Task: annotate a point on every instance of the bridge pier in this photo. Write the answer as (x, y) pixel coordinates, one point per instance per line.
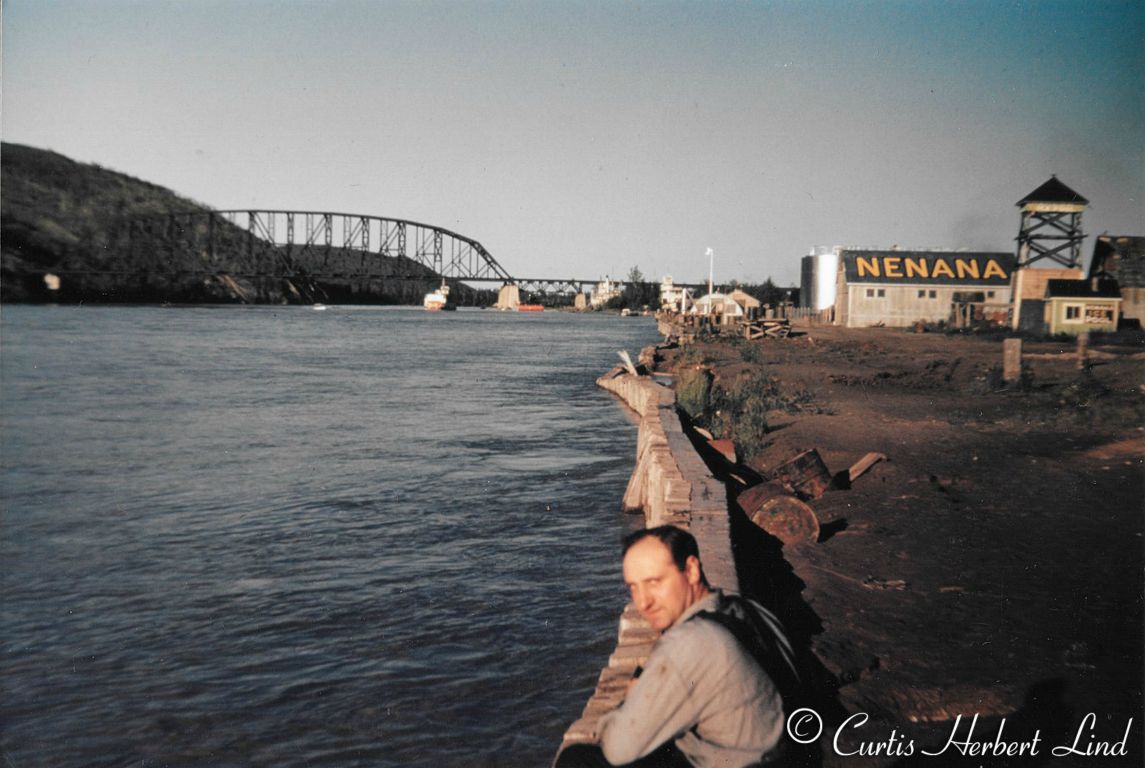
(509, 297)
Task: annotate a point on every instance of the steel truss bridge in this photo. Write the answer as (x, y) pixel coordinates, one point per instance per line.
(315, 245)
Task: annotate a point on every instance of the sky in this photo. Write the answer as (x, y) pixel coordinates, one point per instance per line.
(581, 139)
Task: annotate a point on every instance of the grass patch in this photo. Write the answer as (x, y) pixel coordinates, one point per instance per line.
(992, 381)
(751, 353)
(736, 411)
(741, 412)
(694, 394)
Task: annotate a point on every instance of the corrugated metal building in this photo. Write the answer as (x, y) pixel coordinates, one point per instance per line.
(900, 288)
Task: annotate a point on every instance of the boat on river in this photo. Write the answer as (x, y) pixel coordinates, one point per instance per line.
(530, 308)
(438, 299)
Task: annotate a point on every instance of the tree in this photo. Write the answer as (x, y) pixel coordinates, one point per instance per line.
(637, 294)
(768, 292)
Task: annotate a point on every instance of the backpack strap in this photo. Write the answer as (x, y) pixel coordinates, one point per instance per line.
(760, 633)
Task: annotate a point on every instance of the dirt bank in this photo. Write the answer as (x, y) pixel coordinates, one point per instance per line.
(994, 564)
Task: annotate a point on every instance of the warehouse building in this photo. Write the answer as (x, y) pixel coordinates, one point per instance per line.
(900, 288)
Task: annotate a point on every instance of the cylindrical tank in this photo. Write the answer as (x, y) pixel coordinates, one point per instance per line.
(818, 278)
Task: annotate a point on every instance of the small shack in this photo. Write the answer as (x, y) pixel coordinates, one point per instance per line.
(1030, 286)
(1081, 306)
(749, 303)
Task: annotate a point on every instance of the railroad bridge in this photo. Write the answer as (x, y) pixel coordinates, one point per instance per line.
(312, 246)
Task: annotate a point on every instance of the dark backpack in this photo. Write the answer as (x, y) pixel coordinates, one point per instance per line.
(759, 632)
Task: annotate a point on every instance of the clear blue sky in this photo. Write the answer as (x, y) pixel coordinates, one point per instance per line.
(580, 139)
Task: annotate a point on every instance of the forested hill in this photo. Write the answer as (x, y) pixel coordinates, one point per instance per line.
(67, 220)
(57, 215)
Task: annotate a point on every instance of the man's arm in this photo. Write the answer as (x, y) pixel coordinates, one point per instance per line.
(656, 710)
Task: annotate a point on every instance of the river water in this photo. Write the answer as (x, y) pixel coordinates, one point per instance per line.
(280, 537)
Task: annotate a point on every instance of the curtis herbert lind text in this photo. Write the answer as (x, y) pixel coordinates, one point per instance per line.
(806, 726)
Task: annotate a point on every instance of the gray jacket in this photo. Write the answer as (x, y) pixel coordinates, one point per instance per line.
(701, 688)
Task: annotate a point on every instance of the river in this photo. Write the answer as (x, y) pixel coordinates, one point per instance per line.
(271, 536)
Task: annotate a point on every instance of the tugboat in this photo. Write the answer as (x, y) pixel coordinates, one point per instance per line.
(438, 300)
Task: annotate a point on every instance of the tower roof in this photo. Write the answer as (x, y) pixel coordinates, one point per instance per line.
(1053, 191)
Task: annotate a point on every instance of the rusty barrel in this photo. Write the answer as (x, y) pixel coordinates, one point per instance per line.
(806, 474)
(772, 507)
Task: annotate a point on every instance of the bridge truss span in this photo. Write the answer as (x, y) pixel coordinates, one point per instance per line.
(442, 251)
(316, 252)
(266, 243)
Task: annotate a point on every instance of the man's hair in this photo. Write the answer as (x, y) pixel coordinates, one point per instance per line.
(679, 542)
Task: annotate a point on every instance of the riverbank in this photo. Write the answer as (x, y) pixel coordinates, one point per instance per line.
(671, 485)
(992, 564)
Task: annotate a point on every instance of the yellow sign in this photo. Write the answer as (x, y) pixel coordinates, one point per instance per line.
(896, 267)
(926, 267)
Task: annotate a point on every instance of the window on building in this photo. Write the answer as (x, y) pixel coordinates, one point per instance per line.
(882, 293)
(989, 294)
(934, 294)
(870, 293)
(922, 294)
(1098, 313)
(1072, 311)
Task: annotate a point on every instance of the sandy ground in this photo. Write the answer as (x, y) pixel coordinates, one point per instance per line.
(992, 566)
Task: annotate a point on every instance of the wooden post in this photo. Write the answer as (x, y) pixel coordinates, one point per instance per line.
(627, 362)
(862, 465)
(1082, 351)
(1011, 359)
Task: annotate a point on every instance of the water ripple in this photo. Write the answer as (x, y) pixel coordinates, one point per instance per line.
(268, 536)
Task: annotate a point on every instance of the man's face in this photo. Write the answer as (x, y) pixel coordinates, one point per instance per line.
(660, 590)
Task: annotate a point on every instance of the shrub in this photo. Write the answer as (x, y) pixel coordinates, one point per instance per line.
(737, 411)
(693, 393)
(740, 411)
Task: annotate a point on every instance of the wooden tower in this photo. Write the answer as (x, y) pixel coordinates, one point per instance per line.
(1050, 231)
(1051, 225)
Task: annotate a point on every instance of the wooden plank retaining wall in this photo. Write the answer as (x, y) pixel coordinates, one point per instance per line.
(671, 485)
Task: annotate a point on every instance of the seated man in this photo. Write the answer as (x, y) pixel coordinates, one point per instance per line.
(703, 697)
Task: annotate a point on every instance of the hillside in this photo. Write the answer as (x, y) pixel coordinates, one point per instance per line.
(59, 216)
(71, 220)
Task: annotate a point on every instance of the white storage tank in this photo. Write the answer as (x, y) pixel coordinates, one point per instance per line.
(817, 284)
